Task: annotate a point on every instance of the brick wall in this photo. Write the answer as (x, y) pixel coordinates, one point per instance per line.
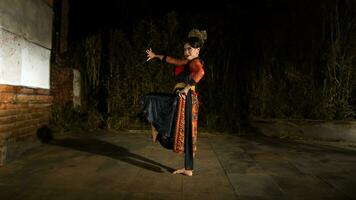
(61, 86)
(23, 111)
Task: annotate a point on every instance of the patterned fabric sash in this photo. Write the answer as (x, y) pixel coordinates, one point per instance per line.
(180, 124)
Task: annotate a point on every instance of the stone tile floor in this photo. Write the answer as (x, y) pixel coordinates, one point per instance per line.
(128, 165)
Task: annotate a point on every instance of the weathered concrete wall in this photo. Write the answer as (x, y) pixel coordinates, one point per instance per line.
(30, 19)
(22, 62)
(25, 42)
(76, 88)
(326, 130)
(25, 48)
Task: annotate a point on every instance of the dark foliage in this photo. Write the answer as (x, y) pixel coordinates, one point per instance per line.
(263, 59)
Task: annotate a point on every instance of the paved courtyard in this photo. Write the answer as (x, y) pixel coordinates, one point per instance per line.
(128, 165)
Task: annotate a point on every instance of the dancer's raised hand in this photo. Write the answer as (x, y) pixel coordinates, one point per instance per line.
(150, 54)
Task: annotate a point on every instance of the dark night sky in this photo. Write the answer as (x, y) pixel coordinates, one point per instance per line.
(87, 16)
(246, 16)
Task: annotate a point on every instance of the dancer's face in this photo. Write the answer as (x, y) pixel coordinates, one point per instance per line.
(190, 52)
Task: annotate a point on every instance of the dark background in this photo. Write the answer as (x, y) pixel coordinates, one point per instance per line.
(263, 58)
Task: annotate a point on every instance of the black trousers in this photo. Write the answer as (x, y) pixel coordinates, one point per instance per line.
(188, 133)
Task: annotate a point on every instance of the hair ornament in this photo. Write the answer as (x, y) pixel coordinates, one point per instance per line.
(201, 35)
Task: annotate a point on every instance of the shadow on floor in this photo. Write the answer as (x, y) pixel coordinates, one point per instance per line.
(100, 147)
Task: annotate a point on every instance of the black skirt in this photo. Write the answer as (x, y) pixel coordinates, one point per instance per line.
(160, 110)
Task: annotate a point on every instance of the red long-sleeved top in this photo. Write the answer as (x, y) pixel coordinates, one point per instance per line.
(196, 68)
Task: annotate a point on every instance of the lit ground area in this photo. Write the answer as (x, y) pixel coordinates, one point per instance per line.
(129, 166)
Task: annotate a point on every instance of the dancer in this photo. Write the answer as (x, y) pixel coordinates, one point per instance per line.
(174, 116)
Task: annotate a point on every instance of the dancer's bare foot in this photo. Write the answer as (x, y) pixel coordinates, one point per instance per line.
(184, 172)
(154, 135)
